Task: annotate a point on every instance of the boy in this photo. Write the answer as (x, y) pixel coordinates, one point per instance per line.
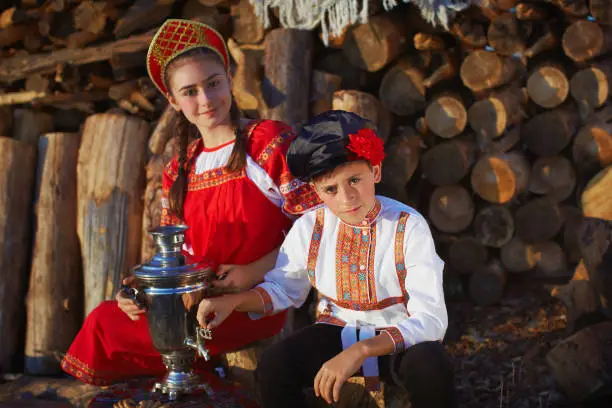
(372, 260)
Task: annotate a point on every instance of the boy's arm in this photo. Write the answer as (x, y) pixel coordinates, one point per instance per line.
(426, 307)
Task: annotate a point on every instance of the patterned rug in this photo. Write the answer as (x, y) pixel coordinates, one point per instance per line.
(214, 393)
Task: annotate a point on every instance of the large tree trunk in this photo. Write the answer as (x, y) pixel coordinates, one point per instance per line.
(287, 66)
(111, 180)
(17, 175)
(55, 298)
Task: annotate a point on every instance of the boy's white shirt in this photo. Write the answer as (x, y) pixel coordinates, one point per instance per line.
(422, 318)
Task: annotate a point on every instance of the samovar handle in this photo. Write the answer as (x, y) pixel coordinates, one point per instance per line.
(134, 294)
(202, 334)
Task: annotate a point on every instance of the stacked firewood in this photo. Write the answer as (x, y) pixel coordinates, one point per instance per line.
(498, 130)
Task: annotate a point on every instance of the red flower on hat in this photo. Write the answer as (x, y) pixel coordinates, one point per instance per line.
(367, 145)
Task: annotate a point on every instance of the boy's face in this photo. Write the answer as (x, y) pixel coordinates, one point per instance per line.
(349, 190)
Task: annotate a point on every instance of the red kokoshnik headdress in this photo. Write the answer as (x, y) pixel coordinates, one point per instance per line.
(175, 37)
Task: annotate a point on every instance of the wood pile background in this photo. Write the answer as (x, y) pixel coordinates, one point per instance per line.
(498, 129)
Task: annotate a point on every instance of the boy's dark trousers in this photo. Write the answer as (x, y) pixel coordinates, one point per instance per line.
(287, 367)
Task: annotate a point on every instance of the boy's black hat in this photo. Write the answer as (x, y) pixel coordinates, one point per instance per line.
(321, 144)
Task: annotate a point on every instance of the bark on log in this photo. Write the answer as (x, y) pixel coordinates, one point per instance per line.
(6, 121)
(247, 28)
(447, 69)
(55, 296)
(530, 12)
(547, 40)
(21, 66)
(163, 131)
(548, 85)
(373, 45)
(401, 161)
(592, 149)
(448, 162)
(337, 63)
(402, 90)
(561, 125)
(507, 35)
(110, 176)
(286, 85)
(595, 237)
(17, 178)
(500, 177)
(487, 284)
(246, 84)
(29, 125)
(590, 87)
(494, 226)
(580, 363)
(547, 259)
(467, 254)
(601, 10)
(451, 209)
(596, 199)
(323, 87)
(538, 220)
(571, 242)
(491, 117)
(469, 33)
(143, 14)
(584, 40)
(553, 177)
(446, 115)
(482, 70)
(518, 256)
(366, 106)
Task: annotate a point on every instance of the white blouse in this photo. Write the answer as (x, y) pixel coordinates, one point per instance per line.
(383, 273)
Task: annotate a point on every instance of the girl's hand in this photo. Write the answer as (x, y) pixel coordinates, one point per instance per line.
(334, 373)
(234, 278)
(217, 307)
(126, 304)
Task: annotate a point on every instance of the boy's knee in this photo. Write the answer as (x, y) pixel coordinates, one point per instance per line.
(273, 360)
(427, 361)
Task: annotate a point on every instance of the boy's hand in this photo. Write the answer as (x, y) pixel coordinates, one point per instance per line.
(221, 307)
(334, 373)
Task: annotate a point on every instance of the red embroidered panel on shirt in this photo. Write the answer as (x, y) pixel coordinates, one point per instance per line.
(355, 274)
(329, 319)
(383, 304)
(266, 299)
(212, 178)
(396, 336)
(400, 264)
(315, 242)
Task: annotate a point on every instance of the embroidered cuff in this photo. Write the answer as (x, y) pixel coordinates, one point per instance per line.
(265, 299)
(398, 339)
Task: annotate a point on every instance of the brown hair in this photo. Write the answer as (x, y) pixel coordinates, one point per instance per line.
(185, 131)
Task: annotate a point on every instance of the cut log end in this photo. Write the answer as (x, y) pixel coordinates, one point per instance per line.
(447, 163)
(591, 86)
(538, 220)
(447, 116)
(548, 86)
(467, 255)
(402, 90)
(494, 226)
(451, 209)
(553, 177)
(592, 149)
(498, 178)
(584, 40)
(487, 285)
(595, 198)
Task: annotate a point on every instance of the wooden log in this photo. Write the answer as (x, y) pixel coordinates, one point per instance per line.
(21, 66)
(29, 125)
(547, 259)
(573, 9)
(428, 42)
(446, 115)
(15, 33)
(366, 106)
(592, 149)
(590, 87)
(504, 143)
(561, 125)
(517, 256)
(247, 27)
(500, 177)
(446, 70)
(553, 177)
(55, 296)
(470, 34)
(548, 85)
(448, 162)
(490, 117)
(215, 17)
(6, 121)
(538, 220)
(17, 178)
(371, 46)
(595, 238)
(337, 63)
(596, 199)
(579, 364)
(163, 130)
(584, 40)
(402, 90)
(401, 161)
(482, 70)
(467, 254)
(572, 221)
(246, 83)
(507, 35)
(451, 209)
(14, 15)
(601, 10)
(143, 14)
(494, 226)
(323, 87)
(547, 40)
(287, 65)
(90, 17)
(526, 11)
(487, 284)
(110, 189)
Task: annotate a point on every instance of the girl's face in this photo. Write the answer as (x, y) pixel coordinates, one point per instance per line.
(201, 89)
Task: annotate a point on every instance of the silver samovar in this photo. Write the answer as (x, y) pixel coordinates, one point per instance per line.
(171, 290)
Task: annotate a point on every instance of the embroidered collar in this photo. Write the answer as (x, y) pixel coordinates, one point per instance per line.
(370, 217)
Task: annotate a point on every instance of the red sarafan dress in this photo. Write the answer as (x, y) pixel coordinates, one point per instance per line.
(233, 218)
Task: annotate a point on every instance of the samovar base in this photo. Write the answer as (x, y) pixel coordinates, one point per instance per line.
(178, 383)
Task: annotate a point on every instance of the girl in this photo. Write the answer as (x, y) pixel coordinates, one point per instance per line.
(231, 186)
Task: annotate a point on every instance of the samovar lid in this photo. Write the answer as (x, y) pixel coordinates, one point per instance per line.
(169, 267)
